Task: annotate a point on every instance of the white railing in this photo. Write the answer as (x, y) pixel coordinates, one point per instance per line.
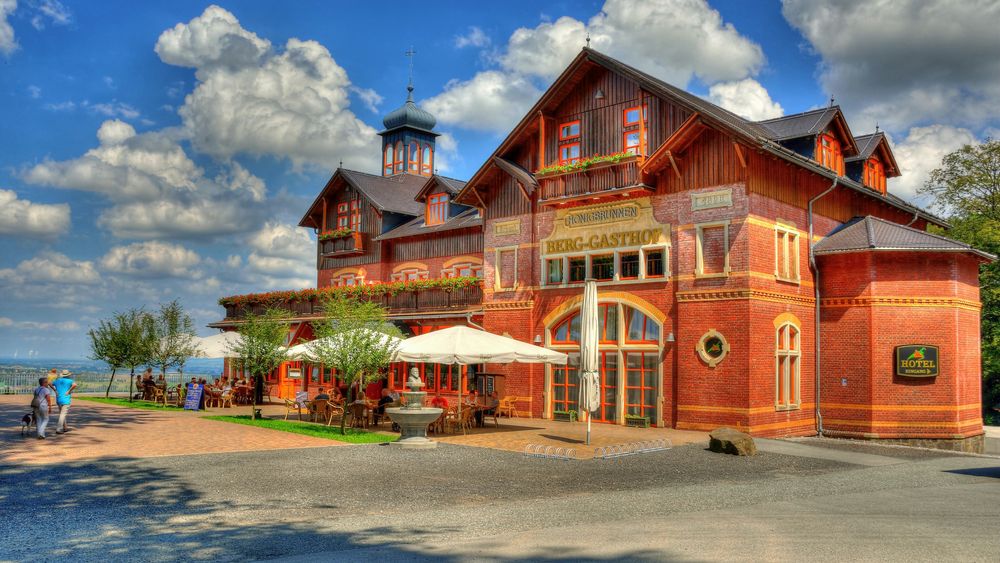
(24, 381)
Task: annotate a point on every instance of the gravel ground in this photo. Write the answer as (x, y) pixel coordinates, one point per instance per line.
(261, 505)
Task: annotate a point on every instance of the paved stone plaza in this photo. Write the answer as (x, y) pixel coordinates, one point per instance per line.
(251, 493)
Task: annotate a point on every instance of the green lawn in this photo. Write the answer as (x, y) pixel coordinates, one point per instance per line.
(137, 404)
(353, 436)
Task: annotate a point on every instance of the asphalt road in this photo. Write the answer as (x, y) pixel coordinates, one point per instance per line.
(460, 503)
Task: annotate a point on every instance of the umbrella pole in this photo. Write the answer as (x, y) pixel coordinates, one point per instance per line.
(588, 428)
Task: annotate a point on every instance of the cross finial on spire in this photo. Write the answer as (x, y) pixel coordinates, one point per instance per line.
(409, 87)
(831, 101)
(876, 126)
(588, 39)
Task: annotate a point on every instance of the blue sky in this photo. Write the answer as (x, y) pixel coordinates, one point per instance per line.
(153, 151)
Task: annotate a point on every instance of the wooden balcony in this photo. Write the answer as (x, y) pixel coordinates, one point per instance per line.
(403, 303)
(351, 243)
(595, 181)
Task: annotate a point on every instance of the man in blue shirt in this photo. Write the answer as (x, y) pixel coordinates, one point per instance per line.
(64, 387)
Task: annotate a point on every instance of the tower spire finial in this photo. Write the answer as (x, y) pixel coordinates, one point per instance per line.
(409, 86)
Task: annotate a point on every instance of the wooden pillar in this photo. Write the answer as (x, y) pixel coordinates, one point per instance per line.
(322, 227)
(541, 141)
(642, 126)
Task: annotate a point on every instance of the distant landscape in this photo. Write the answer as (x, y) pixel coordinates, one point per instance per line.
(18, 376)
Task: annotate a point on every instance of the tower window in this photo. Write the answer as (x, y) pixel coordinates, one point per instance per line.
(387, 162)
(414, 158)
(428, 161)
(397, 163)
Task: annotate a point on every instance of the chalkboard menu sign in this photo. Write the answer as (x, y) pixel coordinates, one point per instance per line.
(193, 398)
(917, 360)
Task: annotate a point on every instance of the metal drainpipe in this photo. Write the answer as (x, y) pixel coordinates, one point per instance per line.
(812, 264)
(468, 319)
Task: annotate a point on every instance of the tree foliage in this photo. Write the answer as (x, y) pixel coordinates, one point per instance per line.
(108, 346)
(354, 338)
(174, 340)
(967, 186)
(968, 182)
(261, 347)
(126, 340)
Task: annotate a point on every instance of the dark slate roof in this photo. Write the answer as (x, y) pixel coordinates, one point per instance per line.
(409, 115)
(872, 233)
(452, 185)
(467, 218)
(388, 193)
(800, 124)
(866, 146)
(759, 133)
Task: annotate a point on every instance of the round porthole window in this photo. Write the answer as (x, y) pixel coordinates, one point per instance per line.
(712, 348)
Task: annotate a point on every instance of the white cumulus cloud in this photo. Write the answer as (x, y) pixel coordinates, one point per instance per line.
(283, 251)
(676, 40)
(51, 267)
(8, 44)
(906, 62)
(151, 259)
(474, 38)
(920, 152)
(251, 98)
(23, 218)
(746, 98)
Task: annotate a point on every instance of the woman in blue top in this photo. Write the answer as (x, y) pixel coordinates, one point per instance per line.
(42, 402)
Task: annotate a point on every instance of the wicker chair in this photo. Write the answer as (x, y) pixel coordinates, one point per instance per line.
(359, 415)
(506, 407)
(292, 406)
(333, 409)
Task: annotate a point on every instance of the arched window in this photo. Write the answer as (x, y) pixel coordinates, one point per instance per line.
(629, 362)
(397, 163)
(387, 163)
(428, 161)
(414, 157)
(787, 356)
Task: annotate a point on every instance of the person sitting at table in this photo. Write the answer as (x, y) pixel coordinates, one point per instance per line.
(487, 408)
(383, 402)
(439, 402)
(472, 399)
(322, 395)
(394, 394)
(161, 381)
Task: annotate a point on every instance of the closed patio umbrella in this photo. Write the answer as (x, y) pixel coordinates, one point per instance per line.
(590, 383)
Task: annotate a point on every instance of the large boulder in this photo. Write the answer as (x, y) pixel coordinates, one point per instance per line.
(731, 441)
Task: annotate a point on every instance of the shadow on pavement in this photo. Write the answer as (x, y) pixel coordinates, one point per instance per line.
(113, 511)
(978, 472)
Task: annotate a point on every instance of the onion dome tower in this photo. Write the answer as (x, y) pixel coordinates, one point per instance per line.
(408, 137)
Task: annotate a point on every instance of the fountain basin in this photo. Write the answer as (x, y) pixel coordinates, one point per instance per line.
(413, 426)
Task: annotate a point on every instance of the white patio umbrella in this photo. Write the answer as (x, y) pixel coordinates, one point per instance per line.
(590, 383)
(305, 350)
(217, 345)
(465, 345)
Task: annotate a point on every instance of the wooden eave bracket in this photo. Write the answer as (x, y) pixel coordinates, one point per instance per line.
(667, 153)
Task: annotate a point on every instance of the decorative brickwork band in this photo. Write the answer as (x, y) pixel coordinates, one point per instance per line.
(946, 302)
(734, 294)
(508, 305)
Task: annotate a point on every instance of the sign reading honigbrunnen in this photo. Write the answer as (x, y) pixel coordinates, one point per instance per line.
(917, 360)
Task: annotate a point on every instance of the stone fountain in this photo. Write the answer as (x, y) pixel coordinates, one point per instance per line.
(414, 417)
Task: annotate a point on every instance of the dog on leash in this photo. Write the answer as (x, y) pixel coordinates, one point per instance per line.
(27, 421)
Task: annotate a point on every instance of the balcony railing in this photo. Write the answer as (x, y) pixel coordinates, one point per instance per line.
(351, 243)
(593, 180)
(427, 301)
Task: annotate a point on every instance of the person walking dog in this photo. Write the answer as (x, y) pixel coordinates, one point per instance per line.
(41, 403)
(64, 387)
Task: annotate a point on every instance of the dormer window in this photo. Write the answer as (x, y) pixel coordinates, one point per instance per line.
(828, 153)
(569, 142)
(428, 161)
(437, 209)
(387, 161)
(414, 158)
(397, 163)
(874, 175)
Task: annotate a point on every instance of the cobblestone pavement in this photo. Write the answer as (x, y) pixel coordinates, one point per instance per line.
(107, 431)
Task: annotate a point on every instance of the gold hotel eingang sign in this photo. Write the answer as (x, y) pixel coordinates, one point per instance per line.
(606, 227)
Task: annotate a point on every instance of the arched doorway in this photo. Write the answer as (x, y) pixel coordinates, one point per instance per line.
(630, 351)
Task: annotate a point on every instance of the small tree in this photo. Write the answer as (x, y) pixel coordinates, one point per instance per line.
(138, 338)
(352, 337)
(261, 348)
(174, 342)
(106, 345)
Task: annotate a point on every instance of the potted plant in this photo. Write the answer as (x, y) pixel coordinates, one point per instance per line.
(637, 421)
(564, 416)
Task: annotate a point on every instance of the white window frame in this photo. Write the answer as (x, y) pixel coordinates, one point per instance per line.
(587, 255)
(786, 253)
(788, 374)
(699, 266)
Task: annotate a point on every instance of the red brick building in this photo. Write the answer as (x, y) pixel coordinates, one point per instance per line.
(721, 246)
